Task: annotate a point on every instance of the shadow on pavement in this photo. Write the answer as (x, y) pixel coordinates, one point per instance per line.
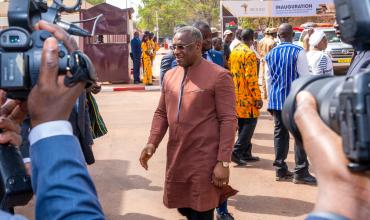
(260, 149)
(264, 164)
(263, 136)
(271, 205)
(111, 180)
(137, 216)
(266, 117)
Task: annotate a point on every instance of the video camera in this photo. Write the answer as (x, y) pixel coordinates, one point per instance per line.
(20, 60)
(343, 102)
(21, 47)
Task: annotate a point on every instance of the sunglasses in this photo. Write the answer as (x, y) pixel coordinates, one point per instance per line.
(181, 47)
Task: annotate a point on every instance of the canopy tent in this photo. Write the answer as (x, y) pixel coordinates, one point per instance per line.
(231, 10)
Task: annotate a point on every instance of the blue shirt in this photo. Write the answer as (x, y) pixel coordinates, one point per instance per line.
(285, 63)
(136, 48)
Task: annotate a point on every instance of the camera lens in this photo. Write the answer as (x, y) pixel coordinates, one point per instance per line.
(326, 91)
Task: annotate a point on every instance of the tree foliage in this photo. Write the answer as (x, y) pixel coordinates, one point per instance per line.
(175, 12)
(95, 2)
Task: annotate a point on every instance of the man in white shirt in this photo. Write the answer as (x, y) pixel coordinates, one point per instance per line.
(237, 40)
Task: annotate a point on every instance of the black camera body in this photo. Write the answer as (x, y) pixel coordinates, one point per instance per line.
(15, 184)
(353, 20)
(20, 55)
(343, 102)
(21, 48)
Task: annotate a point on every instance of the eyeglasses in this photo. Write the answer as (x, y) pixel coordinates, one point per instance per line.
(181, 47)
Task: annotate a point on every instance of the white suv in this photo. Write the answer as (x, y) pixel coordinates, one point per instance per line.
(340, 53)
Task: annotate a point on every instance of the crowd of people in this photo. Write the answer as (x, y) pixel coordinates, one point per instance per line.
(143, 52)
(207, 97)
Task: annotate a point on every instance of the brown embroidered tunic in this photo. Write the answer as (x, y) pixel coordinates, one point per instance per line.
(198, 107)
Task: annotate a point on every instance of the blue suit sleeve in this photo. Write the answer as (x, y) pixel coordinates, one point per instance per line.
(218, 58)
(7, 216)
(173, 64)
(61, 182)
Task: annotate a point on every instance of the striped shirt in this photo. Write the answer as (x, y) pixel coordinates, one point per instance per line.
(284, 64)
(319, 63)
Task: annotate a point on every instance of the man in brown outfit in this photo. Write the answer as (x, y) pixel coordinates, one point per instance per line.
(197, 104)
(265, 45)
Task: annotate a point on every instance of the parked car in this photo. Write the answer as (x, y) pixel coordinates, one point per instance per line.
(340, 53)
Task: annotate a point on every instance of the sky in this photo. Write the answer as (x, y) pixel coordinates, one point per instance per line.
(122, 3)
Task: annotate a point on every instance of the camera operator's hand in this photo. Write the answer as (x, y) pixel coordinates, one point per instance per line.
(50, 99)
(68, 41)
(10, 115)
(95, 88)
(340, 191)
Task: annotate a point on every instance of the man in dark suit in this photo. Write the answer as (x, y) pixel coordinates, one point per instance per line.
(208, 53)
(136, 56)
(80, 121)
(166, 64)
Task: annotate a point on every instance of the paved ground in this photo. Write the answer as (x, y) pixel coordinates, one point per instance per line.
(129, 192)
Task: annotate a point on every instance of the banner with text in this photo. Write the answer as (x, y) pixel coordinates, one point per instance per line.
(279, 8)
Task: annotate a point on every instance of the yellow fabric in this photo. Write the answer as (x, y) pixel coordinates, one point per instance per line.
(146, 48)
(243, 68)
(156, 47)
(147, 62)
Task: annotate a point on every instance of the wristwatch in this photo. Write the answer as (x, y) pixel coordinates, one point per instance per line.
(225, 164)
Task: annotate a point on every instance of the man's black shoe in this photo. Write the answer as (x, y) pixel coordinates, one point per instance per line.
(286, 176)
(226, 216)
(305, 179)
(237, 159)
(251, 158)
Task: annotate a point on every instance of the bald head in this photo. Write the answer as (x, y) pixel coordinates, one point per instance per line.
(286, 33)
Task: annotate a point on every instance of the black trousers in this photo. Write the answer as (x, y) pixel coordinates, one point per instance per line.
(281, 144)
(243, 146)
(137, 63)
(192, 214)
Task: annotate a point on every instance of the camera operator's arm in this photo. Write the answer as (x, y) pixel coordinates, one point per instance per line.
(340, 191)
(60, 178)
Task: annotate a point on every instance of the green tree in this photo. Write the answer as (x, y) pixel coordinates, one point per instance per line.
(95, 2)
(208, 10)
(175, 12)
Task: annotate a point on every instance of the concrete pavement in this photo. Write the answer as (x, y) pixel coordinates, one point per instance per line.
(128, 192)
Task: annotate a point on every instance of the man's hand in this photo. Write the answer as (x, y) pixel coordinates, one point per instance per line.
(50, 99)
(306, 39)
(95, 88)
(220, 176)
(10, 115)
(146, 154)
(10, 132)
(259, 104)
(335, 181)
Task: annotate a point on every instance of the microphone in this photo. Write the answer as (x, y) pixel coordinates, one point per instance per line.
(73, 29)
